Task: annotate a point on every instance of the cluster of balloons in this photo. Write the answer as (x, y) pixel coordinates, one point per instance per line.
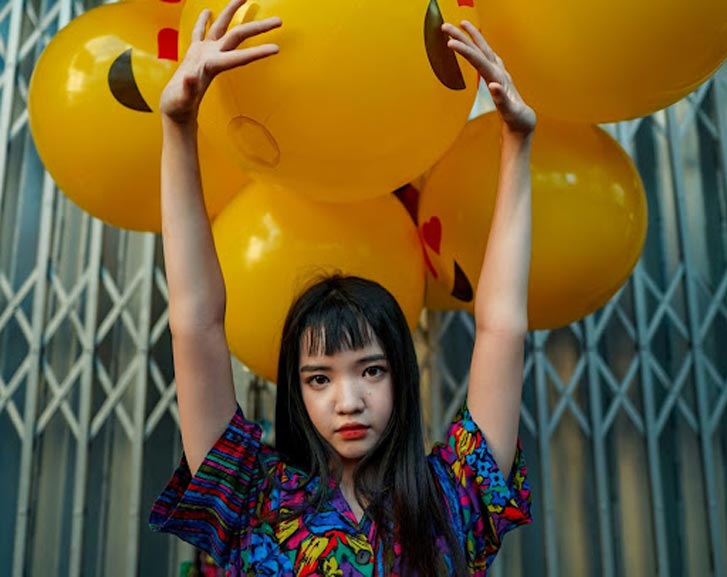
(299, 153)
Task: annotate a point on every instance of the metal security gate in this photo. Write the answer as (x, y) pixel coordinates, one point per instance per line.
(624, 412)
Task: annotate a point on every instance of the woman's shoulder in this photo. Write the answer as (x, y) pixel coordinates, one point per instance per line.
(465, 456)
(464, 465)
(286, 486)
(281, 471)
(462, 437)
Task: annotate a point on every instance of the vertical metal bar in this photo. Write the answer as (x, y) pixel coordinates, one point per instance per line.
(605, 534)
(708, 472)
(8, 82)
(720, 98)
(652, 432)
(33, 383)
(104, 496)
(546, 480)
(647, 389)
(142, 363)
(435, 379)
(86, 388)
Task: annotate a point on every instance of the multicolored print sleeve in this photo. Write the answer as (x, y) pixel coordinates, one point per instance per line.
(210, 509)
(488, 505)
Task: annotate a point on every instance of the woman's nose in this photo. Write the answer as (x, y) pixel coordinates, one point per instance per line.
(350, 397)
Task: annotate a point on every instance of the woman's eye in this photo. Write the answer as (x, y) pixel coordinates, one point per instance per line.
(317, 380)
(374, 371)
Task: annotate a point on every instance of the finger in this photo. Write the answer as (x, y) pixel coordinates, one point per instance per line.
(219, 26)
(457, 33)
(234, 58)
(474, 56)
(464, 49)
(200, 25)
(479, 40)
(236, 35)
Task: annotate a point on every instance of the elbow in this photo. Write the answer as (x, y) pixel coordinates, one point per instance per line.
(191, 317)
(507, 325)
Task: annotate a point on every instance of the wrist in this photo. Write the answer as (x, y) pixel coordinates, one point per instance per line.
(181, 126)
(517, 138)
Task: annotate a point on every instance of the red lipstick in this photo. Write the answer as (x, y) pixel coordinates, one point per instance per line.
(353, 431)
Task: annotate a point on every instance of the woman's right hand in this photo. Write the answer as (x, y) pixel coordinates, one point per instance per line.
(211, 52)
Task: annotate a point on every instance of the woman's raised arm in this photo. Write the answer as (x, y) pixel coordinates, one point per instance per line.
(196, 289)
(496, 372)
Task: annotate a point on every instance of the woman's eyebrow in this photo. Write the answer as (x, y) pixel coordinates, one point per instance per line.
(370, 358)
(314, 368)
(361, 361)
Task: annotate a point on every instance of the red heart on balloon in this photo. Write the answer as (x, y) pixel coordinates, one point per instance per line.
(432, 233)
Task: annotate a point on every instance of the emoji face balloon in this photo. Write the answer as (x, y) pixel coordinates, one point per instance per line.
(362, 98)
(589, 219)
(273, 243)
(93, 113)
(606, 60)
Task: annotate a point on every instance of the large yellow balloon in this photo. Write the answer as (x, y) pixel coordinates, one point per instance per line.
(589, 219)
(607, 60)
(271, 243)
(94, 118)
(362, 98)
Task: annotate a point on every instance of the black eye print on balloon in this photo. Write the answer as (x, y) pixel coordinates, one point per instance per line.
(462, 289)
(441, 58)
(123, 84)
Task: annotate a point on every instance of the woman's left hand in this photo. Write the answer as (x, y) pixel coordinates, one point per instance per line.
(468, 41)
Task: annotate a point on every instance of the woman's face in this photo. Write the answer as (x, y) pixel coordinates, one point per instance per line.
(349, 397)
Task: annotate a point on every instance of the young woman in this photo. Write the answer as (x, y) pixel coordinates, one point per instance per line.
(349, 489)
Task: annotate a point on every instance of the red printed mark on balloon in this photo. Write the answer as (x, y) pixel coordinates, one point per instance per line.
(432, 233)
(428, 262)
(425, 253)
(167, 42)
(470, 3)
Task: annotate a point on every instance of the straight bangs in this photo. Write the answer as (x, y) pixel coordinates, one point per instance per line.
(334, 325)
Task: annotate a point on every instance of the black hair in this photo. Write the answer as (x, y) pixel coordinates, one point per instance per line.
(393, 479)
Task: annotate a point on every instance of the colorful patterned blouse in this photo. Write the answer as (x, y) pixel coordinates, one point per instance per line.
(228, 508)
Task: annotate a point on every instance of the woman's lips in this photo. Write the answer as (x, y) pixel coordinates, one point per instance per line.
(351, 432)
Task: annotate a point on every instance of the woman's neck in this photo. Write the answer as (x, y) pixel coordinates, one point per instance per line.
(348, 490)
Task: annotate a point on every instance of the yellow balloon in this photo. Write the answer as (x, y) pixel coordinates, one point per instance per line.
(589, 219)
(273, 243)
(93, 113)
(362, 98)
(607, 60)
